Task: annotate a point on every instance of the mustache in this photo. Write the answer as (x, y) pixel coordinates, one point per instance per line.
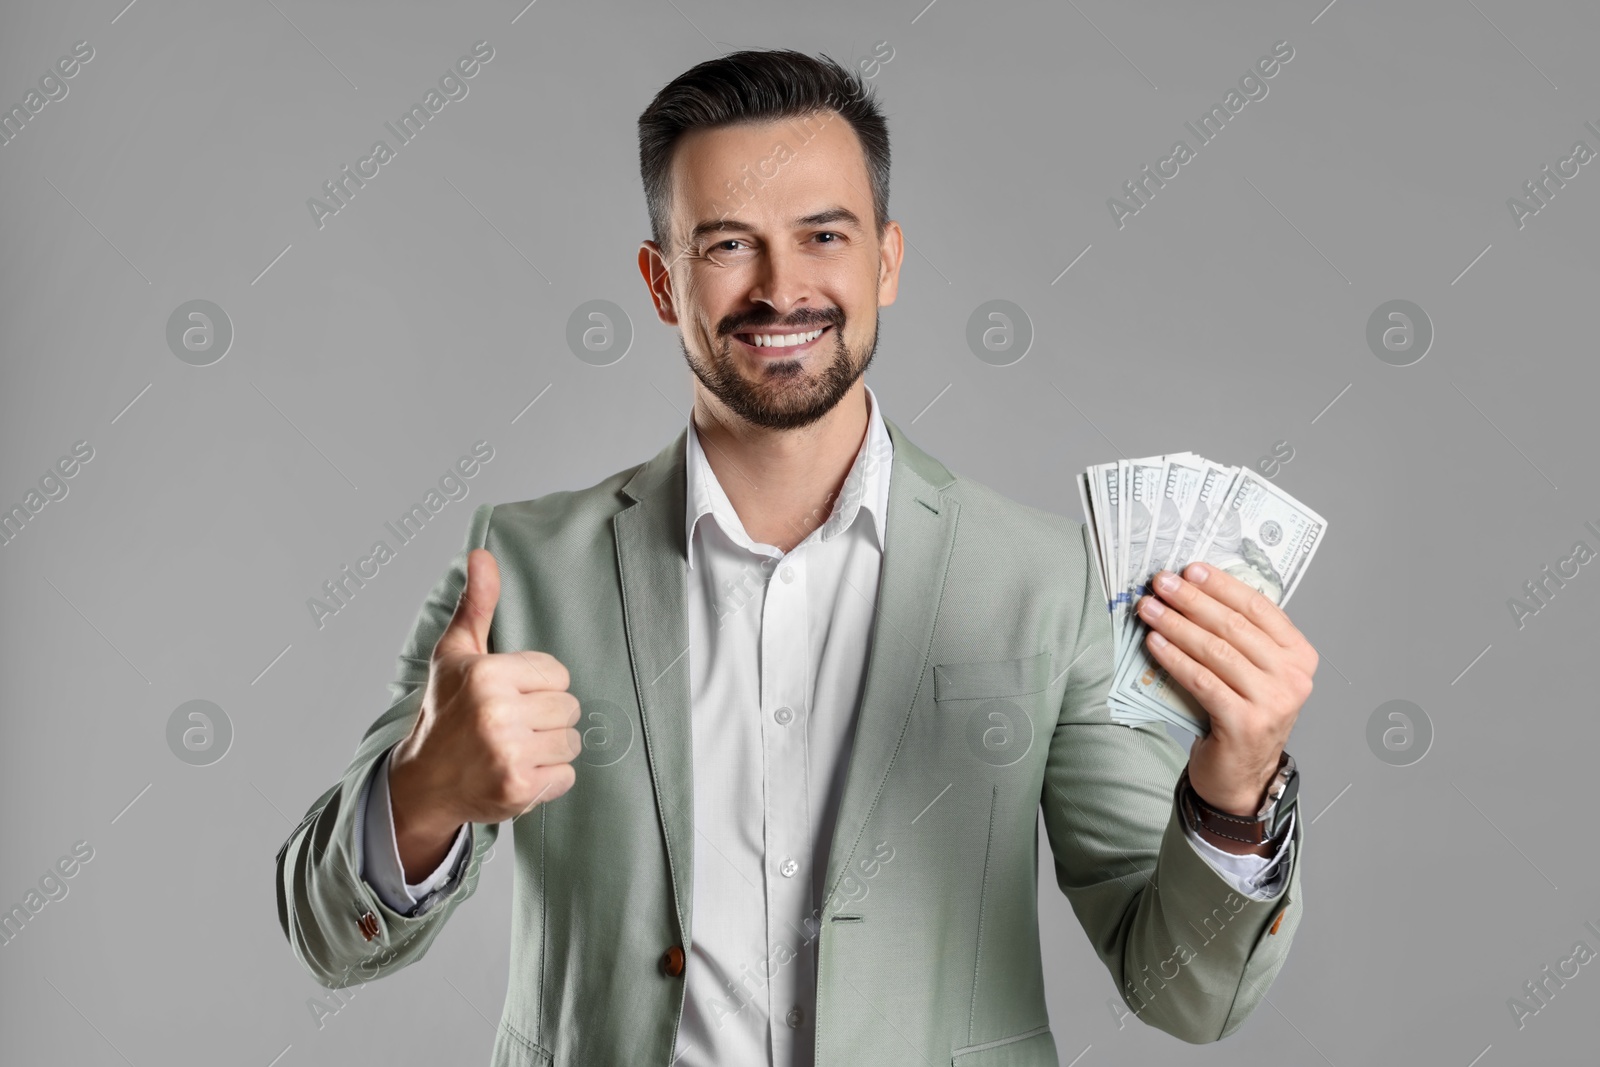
(808, 321)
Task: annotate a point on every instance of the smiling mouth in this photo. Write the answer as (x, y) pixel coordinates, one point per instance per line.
(770, 343)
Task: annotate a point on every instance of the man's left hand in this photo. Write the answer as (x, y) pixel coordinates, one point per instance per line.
(1245, 663)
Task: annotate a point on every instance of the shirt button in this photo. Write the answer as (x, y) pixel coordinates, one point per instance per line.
(783, 715)
(787, 574)
(793, 1017)
(788, 868)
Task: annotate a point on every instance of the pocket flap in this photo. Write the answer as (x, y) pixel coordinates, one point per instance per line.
(992, 678)
(1032, 1048)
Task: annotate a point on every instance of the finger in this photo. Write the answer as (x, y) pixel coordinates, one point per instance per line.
(467, 632)
(1254, 605)
(555, 781)
(1219, 700)
(1217, 617)
(550, 747)
(550, 710)
(526, 671)
(1203, 647)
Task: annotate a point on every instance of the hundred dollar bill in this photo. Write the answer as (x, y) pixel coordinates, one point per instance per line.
(1213, 490)
(1094, 534)
(1184, 476)
(1142, 511)
(1141, 480)
(1130, 701)
(1103, 487)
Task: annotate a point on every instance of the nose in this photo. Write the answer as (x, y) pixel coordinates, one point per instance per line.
(783, 283)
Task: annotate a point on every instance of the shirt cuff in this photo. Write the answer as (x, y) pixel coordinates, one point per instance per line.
(1252, 876)
(380, 853)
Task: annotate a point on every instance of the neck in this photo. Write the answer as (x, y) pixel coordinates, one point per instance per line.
(781, 483)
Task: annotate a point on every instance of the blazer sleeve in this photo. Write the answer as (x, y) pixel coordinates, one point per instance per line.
(1187, 953)
(337, 925)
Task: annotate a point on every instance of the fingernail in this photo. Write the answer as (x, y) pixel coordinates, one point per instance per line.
(1151, 608)
(1166, 581)
(1157, 640)
(1198, 572)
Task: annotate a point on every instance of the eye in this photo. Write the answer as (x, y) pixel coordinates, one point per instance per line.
(830, 233)
(723, 245)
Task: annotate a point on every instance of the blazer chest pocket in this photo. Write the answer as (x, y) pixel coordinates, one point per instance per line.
(992, 706)
(992, 679)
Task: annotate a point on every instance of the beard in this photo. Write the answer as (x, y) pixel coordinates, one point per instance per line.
(787, 394)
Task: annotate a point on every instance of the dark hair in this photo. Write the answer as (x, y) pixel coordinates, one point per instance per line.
(756, 86)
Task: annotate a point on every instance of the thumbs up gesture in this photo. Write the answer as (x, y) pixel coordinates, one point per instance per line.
(495, 735)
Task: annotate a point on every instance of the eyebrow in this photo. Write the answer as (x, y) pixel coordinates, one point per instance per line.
(820, 218)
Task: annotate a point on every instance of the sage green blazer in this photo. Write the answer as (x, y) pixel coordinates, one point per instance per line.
(984, 703)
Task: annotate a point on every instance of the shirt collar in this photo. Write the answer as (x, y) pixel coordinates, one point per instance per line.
(866, 486)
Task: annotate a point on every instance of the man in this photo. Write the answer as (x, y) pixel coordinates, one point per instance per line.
(826, 686)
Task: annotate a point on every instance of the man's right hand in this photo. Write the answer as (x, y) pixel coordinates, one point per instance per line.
(495, 736)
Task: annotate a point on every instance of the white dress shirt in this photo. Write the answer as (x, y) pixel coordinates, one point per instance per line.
(778, 644)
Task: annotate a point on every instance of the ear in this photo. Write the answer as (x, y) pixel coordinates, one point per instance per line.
(891, 253)
(658, 279)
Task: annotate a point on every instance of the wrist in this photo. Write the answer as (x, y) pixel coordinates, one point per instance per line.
(1241, 802)
(1240, 832)
(419, 818)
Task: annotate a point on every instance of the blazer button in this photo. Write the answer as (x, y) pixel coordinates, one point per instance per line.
(368, 923)
(672, 961)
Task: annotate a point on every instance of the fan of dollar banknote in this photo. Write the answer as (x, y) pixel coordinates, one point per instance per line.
(1163, 513)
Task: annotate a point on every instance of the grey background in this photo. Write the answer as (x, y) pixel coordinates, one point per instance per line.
(1225, 317)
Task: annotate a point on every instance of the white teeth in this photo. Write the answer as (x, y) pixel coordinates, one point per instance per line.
(782, 340)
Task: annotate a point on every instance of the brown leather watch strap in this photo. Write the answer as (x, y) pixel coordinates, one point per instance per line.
(1250, 829)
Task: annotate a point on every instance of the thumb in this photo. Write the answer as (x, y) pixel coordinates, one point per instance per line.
(467, 633)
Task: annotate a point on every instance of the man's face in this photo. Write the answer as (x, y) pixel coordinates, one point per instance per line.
(773, 236)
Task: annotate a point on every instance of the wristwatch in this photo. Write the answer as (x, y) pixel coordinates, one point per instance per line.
(1264, 825)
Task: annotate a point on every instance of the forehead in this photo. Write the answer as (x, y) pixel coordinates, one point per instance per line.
(769, 171)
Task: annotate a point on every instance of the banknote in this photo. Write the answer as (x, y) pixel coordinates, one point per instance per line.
(1141, 492)
(1162, 513)
(1178, 483)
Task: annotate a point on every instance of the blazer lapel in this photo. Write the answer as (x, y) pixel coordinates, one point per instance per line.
(919, 535)
(651, 556)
